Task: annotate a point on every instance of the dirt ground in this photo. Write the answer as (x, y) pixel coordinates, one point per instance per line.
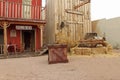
(94, 67)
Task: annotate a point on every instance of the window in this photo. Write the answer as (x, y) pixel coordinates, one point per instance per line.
(26, 9)
(13, 33)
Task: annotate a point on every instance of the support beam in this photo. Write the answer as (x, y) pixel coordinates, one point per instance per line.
(5, 39)
(41, 34)
(5, 25)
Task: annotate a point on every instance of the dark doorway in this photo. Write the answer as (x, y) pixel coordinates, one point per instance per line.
(29, 40)
(1, 40)
(1, 36)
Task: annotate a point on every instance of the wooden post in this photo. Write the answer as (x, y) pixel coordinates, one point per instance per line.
(35, 39)
(5, 25)
(41, 34)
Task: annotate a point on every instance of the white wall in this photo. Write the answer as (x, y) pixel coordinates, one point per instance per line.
(111, 28)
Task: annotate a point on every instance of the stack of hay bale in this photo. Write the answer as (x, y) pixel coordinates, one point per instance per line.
(89, 51)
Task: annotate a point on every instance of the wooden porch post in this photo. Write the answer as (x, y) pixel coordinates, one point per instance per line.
(41, 34)
(5, 25)
(35, 40)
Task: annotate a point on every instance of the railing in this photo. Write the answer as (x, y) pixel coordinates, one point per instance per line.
(10, 48)
(20, 11)
(43, 13)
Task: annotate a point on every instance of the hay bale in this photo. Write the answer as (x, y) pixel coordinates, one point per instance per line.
(99, 50)
(88, 51)
(110, 48)
(81, 51)
(61, 38)
(102, 50)
(72, 50)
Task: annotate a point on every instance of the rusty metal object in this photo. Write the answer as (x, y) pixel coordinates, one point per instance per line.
(57, 54)
(92, 40)
(92, 43)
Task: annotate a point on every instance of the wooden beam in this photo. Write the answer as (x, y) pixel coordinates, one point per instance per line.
(73, 22)
(74, 12)
(81, 4)
(23, 21)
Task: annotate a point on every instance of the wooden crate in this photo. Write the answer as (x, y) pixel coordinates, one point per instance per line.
(57, 54)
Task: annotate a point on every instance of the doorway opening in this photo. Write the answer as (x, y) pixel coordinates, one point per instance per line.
(28, 40)
(1, 41)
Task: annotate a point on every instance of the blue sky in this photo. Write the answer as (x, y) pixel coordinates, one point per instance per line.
(104, 9)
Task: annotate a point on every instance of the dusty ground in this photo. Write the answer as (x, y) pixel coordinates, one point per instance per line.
(100, 67)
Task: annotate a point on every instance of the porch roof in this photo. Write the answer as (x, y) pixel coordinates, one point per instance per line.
(23, 21)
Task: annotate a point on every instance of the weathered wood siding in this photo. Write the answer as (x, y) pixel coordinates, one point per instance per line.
(75, 22)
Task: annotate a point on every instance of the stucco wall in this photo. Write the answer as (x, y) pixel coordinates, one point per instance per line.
(110, 28)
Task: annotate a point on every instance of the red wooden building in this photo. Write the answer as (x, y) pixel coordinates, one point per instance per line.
(21, 25)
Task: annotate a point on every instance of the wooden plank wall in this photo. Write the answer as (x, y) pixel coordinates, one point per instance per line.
(76, 21)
